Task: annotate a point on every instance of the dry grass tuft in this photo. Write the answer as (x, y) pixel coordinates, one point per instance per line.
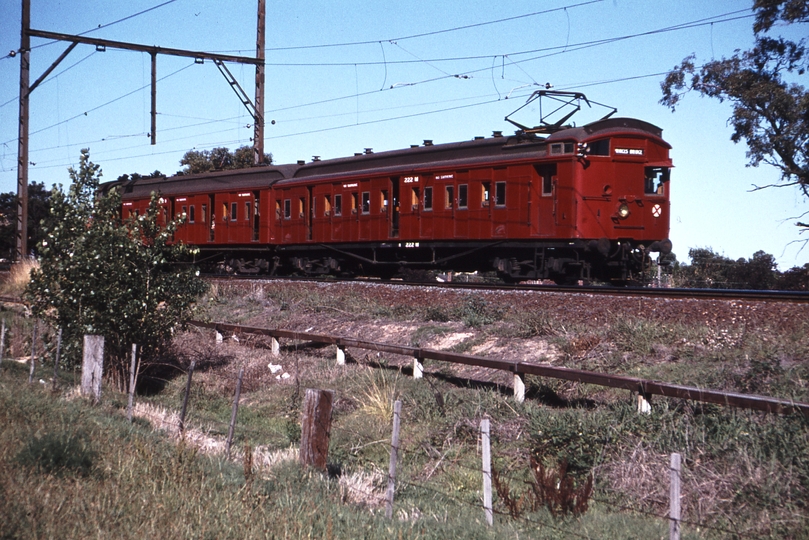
(378, 395)
(363, 488)
(262, 458)
(19, 277)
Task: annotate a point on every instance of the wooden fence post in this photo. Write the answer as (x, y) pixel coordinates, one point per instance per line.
(276, 346)
(185, 397)
(130, 402)
(33, 354)
(234, 412)
(56, 360)
(394, 457)
(487, 470)
(92, 366)
(2, 340)
(519, 387)
(674, 499)
(341, 355)
(316, 427)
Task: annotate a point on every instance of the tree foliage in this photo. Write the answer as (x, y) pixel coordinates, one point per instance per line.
(101, 274)
(38, 206)
(770, 110)
(220, 159)
(710, 270)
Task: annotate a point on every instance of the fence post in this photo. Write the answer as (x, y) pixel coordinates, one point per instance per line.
(234, 412)
(341, 355)
(130, 401)
(276, 346)
(92, 366)
(519, 387)
(487, 470)
(418, 368)
(2, 340)
(58, 354)
(316, 427)
(33, 353)
(394, 457)
(674, 498)
(185, 397)
(219, 338)
(644, 403)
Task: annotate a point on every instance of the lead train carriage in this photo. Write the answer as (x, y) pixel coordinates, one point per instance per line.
(587, 202)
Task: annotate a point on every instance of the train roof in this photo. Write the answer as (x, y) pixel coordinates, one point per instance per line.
(414, 159)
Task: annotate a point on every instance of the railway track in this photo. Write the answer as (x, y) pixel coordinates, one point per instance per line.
(704, 294)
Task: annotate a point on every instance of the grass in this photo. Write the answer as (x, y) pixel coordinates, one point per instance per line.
(743, 471)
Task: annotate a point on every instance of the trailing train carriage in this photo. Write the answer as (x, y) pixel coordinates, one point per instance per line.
(587, 202)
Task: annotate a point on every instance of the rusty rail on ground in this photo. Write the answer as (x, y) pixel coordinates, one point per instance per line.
(642, 386)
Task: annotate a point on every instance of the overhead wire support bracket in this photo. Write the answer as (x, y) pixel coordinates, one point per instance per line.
(245, 99)
(26, 33)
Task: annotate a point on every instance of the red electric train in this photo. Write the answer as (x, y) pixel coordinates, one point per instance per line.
(558, 202)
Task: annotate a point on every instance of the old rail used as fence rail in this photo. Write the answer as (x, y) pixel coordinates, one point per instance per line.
(644, 388)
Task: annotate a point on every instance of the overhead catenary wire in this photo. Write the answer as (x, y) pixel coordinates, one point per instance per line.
(512, 61)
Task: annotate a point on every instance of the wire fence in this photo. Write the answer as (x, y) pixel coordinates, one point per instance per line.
(214, 427)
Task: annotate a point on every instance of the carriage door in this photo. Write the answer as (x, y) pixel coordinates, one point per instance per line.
(565, 199)
(309, 213)
(394, 208)
(543, 222)
(256, 215)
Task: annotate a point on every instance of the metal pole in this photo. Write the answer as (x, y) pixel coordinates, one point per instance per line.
(258, 121)
(2, 340)
(394, 456)
(33, 354)
(487, 470)
(185, 398)
(22, 145)
(234, 413)
(130, 401)
(56, 360)
(154, 98)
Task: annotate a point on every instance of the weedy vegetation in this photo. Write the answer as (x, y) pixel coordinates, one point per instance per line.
(572, 460)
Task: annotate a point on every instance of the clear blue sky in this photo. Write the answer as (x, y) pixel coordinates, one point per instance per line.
(388, 85)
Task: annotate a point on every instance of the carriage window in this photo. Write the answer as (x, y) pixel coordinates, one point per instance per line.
(287, 208)
(499, 193)
(191, 215)
(247, 208)
(233, 209)
(300, 208)
(338, 205)
(487, 189)
(224, 211)
(366, 202)
(428, 198)
(547, 173)
(353, 203)
(204, 213)
(185, 212)
(326, 205)
(463, 196)
(655, 177)
(414, 199)
(449, 194)
(599, 148)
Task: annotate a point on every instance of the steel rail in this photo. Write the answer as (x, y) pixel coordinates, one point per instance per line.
(799, 297)
(643, 386)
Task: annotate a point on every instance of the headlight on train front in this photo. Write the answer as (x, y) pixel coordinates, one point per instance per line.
(623, 211)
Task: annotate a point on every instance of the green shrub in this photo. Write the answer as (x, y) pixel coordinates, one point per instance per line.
(58, 453)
